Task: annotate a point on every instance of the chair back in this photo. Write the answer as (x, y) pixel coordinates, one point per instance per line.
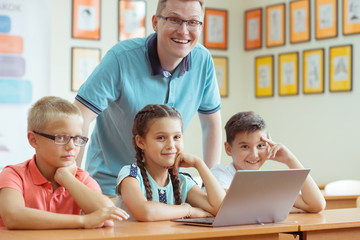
(343, 187)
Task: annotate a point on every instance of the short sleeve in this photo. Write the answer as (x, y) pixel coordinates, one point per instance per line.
(9, 178)
(186, 183)
(128, 170)
(102, 86)
(211, 102)
(223, 176)
(88, 181)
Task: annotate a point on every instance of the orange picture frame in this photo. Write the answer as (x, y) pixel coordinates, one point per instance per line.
(253, 29)
(326, 25)
(299, 21)
(215, 28)
(132, 19)
(351, 17)
(275, 25)
(86, 19)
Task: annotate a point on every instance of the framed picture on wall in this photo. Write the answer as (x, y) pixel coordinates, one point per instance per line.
(86, 19)
(340, 68)
(299, 21)
(313, 71)
(83, 63)
(351, 17)
(221, 69)
(326, 25)
(264, 76)
(275, 25)
(215, 28)
(288, 74)
(132, 15)
(253, 29)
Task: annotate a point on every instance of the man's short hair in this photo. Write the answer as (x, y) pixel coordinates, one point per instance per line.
(162, 4)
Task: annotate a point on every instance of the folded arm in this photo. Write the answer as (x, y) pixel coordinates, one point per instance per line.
(17, 216)
(89, 200)
(310, 199)
(212, 199)
(144, 210)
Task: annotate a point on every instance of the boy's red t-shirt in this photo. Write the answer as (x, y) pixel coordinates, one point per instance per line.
(37, 191)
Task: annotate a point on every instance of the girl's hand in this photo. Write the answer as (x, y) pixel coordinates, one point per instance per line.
(278, 152)
(199, 213)
(184, 160)
(103, 217)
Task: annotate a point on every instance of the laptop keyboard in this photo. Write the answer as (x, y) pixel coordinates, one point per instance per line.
(207, 220)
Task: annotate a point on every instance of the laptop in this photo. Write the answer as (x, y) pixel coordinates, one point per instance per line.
(256, 196)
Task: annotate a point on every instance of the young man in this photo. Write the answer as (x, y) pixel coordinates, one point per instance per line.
(168, 67)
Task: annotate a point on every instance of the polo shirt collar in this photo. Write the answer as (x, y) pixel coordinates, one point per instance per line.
(36, 175)
(155, 61)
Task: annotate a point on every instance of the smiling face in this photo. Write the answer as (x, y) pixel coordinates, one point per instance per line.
(162, 142)
(50, 156)
(248, 150)
(176, 42)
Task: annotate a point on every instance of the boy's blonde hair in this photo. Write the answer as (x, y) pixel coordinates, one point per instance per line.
(162, 4)
(49, 108)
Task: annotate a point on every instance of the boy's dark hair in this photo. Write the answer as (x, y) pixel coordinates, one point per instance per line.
(243, 122)
(141, 126)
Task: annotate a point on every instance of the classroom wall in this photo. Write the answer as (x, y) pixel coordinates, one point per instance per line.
(320, 129)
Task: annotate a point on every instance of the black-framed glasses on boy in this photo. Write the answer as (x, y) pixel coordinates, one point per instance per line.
(191, 24)
(63, 139)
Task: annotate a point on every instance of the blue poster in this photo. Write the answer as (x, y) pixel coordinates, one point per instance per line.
(24, 71)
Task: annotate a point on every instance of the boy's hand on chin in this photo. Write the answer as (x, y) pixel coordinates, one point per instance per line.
(65, 171)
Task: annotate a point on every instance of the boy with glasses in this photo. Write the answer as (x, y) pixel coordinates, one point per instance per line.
(49, 191)
(167, 67)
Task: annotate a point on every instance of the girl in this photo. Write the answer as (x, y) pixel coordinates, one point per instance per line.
(152, 189)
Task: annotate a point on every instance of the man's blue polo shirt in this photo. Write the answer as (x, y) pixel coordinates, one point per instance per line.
(128, 78)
